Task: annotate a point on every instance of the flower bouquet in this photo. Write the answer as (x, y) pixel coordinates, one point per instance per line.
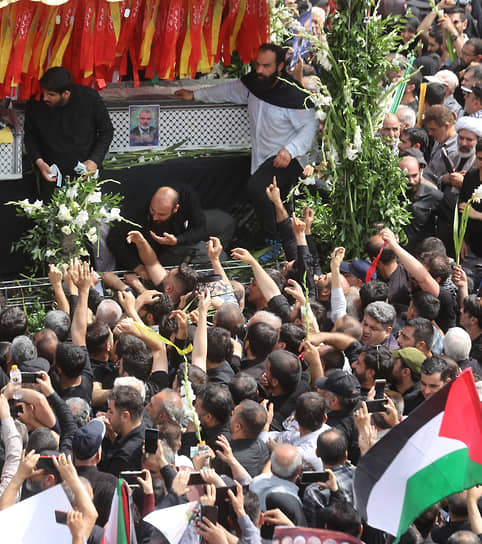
(69, 224)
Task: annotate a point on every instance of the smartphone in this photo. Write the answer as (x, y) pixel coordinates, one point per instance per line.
(377, 405)
(61, 517)
(312, 476)
(195, 478)
(209, 512)
(222, 493)
(130, 476)
(150, 440)
(46, 461)
(380, 388)
(30, 377)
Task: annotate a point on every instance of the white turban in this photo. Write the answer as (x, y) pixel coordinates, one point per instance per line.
(470, 123)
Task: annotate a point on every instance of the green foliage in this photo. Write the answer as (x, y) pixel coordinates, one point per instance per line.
(36, 317)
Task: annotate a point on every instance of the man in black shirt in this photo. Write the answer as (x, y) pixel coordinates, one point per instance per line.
(122, 447)
(214, 406)
(69, 125)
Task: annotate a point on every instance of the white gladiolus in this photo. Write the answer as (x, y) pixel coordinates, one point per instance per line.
(320, 115)
(351, 152)
(38, 204)
(66, 230)
(92, 235)
(81, 219)
(49, 253)
(114, 215)
(64, 213)
(477, 194)
(72, 192)
(94, 197)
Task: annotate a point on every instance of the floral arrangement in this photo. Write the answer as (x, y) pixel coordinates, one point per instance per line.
(351, 96)
(69, 224)
(460, 227)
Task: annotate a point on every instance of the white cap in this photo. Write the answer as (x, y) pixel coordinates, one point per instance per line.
(445, 77)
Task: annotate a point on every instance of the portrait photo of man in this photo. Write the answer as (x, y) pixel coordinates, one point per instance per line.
(144, 126)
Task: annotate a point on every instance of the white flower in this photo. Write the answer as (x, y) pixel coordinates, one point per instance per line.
(357, 139)
(142, 158)
(92, 235)
(296, 26)
(114, 215)
(320, 115)
(477, 195)
(64, 213)
(83, 252)
(351, 152)
(49, 253)
(38, 204)
(72, 192)
(66, 230)
(81, 219)
(94, 197)
(310, 181)
(103, 212)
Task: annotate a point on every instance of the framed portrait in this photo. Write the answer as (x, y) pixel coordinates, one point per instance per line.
(144, 126)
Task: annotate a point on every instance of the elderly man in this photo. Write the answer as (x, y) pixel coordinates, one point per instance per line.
(390, 131)
(469, 130)
(450, 81)
(473, 101)
(424, 202)
(282, 129)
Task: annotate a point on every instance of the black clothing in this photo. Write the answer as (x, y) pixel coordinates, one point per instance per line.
(253, 454)
(423, 210)
(412, 398)
(398, 287)
(222, 373)
(105, 373)
(284, 405)
(103, 485)
(124, 453)
(256, 190)
(473, 364)
(188, 224)
(447, 317)
(253, 367)
(84, 389)
(65, 420)
(79, 131)
(442, 534)
(473, 234)
(343, 420)
(285, 94)
(210, 434)
(155, 383)
(476, 351)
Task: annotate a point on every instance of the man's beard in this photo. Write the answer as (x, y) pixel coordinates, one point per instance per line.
(465, 152)
(413, 192)
(158, 227)
(262, 83)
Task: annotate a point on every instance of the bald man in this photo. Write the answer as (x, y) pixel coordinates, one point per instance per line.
(173, 224)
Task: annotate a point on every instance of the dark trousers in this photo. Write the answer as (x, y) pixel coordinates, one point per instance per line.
(256, 186)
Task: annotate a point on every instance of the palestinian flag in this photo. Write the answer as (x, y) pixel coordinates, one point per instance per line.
(120, 526)
(435, 452)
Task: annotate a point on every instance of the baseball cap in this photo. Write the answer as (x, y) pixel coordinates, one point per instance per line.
(35, 365)
(358, 267)
(445, 77)
(341, 383)
(87, 439)
(412, 358)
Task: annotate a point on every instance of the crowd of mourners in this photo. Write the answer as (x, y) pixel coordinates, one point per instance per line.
(255, 397)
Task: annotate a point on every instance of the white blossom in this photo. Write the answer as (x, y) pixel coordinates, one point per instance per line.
(296, 26)
(72, 192)
(351, 152)
(477, 195)
(92, 235)
(64, 213)
(49, 253)
(103, 212)
(114, 215)
(320, 115)
(66, 230)
(38, 204)
(357, 139)
(310, 180)
(83, 252)
(81, 219)
(94, 197)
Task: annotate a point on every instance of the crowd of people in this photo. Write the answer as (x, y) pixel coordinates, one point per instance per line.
(252, 399)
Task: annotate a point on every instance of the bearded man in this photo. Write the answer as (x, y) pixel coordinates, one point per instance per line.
(282, 128)
(469, 130)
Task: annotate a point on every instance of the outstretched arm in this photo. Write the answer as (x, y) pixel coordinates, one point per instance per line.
(267, 285)
(148, 257)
